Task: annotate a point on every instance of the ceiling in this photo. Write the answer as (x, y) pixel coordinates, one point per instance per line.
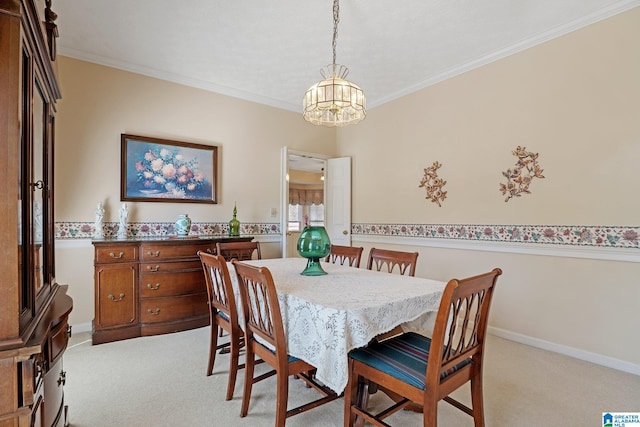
(305, 163)
(270, 52)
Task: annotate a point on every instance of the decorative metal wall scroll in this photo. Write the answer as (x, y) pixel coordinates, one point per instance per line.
(520, 177)
(433, 184)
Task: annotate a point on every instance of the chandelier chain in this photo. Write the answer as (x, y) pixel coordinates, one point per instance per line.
(336, 19)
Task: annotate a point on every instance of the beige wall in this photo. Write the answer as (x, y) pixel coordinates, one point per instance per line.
(100, 103)
(564, 304)
(575, 101)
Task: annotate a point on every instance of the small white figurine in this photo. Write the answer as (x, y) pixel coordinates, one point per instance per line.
(98, 231)
(122, 227)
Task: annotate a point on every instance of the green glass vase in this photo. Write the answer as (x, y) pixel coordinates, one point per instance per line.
(314, 244)
(234, 224)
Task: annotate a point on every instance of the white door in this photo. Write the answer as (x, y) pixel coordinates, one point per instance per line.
(338, 200)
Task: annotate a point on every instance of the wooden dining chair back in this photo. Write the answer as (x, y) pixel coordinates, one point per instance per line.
(223, 314)
(348, 255)
(242, 251)
(265, 337)
(387, 260)
(403, 368)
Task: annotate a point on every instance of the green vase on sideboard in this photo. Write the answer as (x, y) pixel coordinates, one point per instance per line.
(234, 224)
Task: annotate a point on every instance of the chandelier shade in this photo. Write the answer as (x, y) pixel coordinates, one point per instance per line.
(334, 101)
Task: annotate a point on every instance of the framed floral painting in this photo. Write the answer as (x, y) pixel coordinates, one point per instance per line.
(159, 170)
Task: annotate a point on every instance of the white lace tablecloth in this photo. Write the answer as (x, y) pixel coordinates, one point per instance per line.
(325, 317)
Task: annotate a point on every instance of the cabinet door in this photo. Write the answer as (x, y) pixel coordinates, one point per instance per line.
(37, 413)
(116, 295)
(54, 381)
(35, 171)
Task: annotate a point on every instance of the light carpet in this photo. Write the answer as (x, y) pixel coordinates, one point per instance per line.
(160, 381)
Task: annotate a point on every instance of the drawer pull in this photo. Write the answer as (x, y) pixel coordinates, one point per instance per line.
(153, 287)
(112, 255)
(114, 299)
(150, 268)
(153, 313)
(209, 251)
(68, 331)
(62, 379)
(39, 367)
(154, 254)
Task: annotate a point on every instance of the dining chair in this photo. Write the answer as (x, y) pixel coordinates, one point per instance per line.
(223, 315)
(265, 337)
(387, 260)
(404, 261)
(345, 254)
(401, 366)
(241, 251)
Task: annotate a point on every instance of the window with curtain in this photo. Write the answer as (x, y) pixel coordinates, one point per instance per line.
(306, 206)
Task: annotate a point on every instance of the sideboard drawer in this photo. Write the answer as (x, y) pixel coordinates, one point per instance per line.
(110, 254)
(156, 310)
(154, 285)
(154, 252)
(165, 267)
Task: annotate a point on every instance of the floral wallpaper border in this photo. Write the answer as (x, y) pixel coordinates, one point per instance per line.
(574, 235)
(84, 230)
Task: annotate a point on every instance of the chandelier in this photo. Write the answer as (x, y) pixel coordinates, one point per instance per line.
(334, 101)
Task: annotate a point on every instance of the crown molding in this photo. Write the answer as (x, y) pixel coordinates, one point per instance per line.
(525, 44)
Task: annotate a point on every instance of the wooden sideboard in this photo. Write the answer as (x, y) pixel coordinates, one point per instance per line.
(150, 287)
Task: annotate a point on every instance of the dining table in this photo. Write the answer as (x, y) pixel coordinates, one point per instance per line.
(325, 317)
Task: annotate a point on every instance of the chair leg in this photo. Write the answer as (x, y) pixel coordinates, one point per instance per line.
(233, 367)
(477, 403)
(282, 396)
(248, 380)
(213, 346)
(430, 412)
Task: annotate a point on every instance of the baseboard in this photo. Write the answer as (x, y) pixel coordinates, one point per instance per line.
(79, 328)
(587, 356)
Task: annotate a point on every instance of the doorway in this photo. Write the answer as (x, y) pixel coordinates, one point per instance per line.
(316, 190)
(303, 196)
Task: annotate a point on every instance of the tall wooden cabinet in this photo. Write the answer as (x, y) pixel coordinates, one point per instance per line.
(34, 309)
